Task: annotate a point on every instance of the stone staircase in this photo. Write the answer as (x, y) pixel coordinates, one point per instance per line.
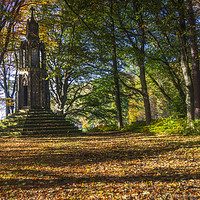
(37, 122)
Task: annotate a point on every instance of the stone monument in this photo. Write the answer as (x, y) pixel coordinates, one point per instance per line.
(32, 85)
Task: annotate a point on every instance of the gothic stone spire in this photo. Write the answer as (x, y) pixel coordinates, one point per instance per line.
(32, 30)
(32, 10)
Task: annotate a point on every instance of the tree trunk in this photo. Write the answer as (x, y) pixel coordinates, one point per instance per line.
(117, 89)
(195, 57)
(140, 54)
(145, 92)
(140, 58)
(115, 71)
(184, 65)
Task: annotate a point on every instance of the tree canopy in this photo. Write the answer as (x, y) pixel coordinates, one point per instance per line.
(111, 62)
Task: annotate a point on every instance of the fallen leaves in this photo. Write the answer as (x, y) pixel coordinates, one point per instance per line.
(126, 166)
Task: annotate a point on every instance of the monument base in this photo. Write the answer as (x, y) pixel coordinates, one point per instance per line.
(37, 122)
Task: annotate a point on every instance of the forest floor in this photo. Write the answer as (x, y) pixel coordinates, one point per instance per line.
(119, 166)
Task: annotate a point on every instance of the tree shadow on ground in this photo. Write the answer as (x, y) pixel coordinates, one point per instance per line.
(55, 180)
(53, 157)
(56, 158)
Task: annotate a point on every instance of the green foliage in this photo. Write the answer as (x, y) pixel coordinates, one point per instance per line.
(193, 128)
(103, 128)
(172, 126)
(166, 126)
(135, 127)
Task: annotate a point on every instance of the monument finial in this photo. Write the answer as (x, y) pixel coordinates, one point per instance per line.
(32, 29)
(32, 9)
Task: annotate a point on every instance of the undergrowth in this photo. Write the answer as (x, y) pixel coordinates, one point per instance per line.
(163, 126)
(173, 126)
(135, 127)
(103, 128)
(166, 126)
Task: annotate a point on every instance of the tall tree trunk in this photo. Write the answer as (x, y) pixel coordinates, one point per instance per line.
(140, 54)
(184, 63)
(115, 70)
(145, 91)
(143, 76)
(195, 57)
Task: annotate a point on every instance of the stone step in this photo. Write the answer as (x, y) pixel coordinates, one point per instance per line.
(49, 128)
(41, 121)
(46, 119)
(66, 132)
(44, 116)
(39, 129)
(43, 113)
(11, 130)
(38, 121)
(14, 117)
(10, 133)
(35, 126)
(53, 132)
(50, 131)
(39, 111)
(48, 124)
(17, 114)
(32, 114)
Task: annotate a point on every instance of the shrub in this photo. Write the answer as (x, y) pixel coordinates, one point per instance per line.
(193, 128)
(103, 128)
(166, 126)
(135, 127)
(173, 126)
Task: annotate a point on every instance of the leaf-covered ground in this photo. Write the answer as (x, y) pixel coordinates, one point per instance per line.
(122, 166)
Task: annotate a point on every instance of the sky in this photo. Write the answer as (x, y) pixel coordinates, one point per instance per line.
(2, 111)
(2, 108)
